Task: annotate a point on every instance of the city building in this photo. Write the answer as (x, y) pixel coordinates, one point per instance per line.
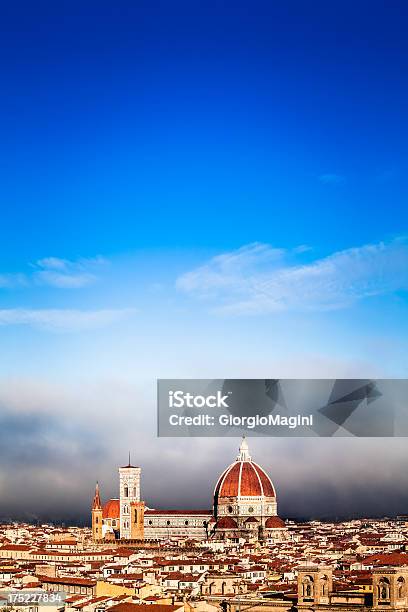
(245, 507)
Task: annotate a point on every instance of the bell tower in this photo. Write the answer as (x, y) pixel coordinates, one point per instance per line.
(129, 488)
(315, 582)
(390, 587)
(97, 517)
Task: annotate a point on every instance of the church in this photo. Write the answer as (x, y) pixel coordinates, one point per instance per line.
(245, 507)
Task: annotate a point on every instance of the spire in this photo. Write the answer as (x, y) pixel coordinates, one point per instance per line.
(244, 451)
(129, 465)
(97, 504)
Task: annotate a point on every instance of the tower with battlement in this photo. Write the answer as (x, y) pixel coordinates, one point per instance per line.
(129, 493)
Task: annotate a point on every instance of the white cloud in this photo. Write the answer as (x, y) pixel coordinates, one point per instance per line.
(57, 272)
(63, 320)
(230, 271)
(257, 279)
(66, 274)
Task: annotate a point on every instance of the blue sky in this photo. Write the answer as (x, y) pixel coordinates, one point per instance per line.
(198, 189)
(201, 125)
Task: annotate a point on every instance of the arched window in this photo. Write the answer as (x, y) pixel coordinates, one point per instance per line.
(134, 492)
(307, 586)
(383, 589)
(135, 517)
(400, 587)
(126, 491)
(324, 586)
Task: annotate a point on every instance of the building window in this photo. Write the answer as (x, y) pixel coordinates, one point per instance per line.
(324, 586)
(150, 522)
(230, 509)
(186, 522)
(134, 492)
(168, 523)
(126, 491)
(135, 517)
(400, 587)
(307, 587)
(383, 589)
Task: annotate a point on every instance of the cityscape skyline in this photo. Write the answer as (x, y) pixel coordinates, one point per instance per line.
(310, 494)
(197, 191)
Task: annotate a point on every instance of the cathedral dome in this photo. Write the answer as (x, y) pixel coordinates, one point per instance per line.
(226, 522)
(111, 509)
(244, 478)
(274, 522)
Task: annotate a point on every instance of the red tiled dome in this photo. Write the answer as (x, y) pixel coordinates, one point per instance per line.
(244, 478)
(226, 522)
(274, 522)
(111, 509)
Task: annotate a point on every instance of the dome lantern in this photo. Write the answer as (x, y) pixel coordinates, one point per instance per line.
(244, 451)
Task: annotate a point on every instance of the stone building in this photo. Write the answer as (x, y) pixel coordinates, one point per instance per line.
(316, 592)
(245, 504)
(245, 507)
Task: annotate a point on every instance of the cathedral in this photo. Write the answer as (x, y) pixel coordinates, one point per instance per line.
(245, 507)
